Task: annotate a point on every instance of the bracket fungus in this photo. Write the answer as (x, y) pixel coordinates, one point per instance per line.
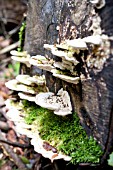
(15, 85)
(14, 113)
(22, 57)
(41, 62)
(17, 114)
(42, 100)
(73, 56)
(60, 103)
(63, 66)
(63, 51)
(77, 44)
(31, 81)
(59, 74)
(28, 97)
(30, 86)
(48, 46)
(65, 55)
(94, 39)
(47, 150)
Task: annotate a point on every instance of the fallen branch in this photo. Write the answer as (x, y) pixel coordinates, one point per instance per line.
(15, 144)
(9, 48)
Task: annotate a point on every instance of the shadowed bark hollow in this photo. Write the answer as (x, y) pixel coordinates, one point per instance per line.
(92, 99)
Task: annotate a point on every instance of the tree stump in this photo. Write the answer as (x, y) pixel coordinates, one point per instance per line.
(92, 98)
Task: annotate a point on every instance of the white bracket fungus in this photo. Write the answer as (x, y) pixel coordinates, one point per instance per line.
(74, 80)
(94, 39)
(63, 46)
(15, 85)
(60, 103)
(42, 100)
(22, 57)
(20, 54)
(63, 66)
(63, 51)
(65, 55)
(38, 144)
(41, 62)
(48, 46)
(31, 81)
(77, 44)
(27, 84)
(28, 97)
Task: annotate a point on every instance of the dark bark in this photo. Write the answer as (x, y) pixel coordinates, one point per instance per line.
(92, 99)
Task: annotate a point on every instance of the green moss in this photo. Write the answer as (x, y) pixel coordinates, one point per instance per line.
(65, 133)
(22, 36)
(30, 110)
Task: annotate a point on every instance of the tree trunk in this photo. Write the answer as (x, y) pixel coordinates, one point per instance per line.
(92, 98)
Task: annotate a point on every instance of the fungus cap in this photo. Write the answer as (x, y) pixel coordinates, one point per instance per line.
(41, 100)
(60, 103)
(22, 60)
(15, 85)
(37, 142)
(74, 80)
(94, 39)
(77, 44)
(20, 54)
(48, 46)
(41, 62)
(30, 81)
(28, 97)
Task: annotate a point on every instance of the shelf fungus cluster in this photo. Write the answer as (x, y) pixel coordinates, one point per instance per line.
(88, 52)
(27, 86)
(60, 103)
(71, 52)
(41, 62)
(33, 89)
(74, 54)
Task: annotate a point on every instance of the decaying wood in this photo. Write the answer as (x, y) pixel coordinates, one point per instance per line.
(92, 99)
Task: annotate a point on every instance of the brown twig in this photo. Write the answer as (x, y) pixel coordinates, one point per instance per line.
(15, 144)
(9, 48)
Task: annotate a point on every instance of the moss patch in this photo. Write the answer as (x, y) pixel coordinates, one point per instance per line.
(64, 133)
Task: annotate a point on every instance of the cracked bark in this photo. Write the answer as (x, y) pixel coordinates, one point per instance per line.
(93, 98)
